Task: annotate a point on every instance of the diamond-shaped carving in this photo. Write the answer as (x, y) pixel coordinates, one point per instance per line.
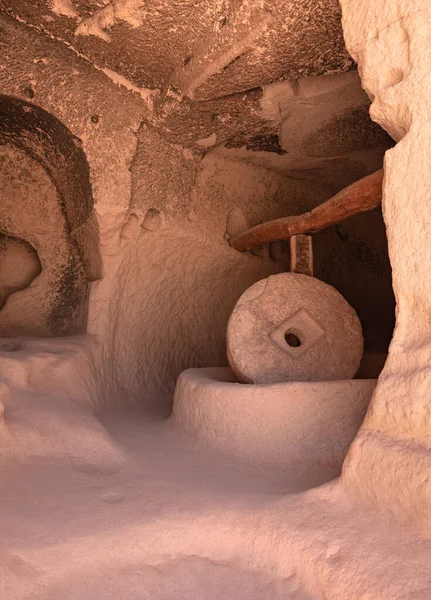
(297, 334)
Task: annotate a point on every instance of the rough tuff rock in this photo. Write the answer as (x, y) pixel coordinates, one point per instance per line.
(208, 49)
(169, 281)
(134, 167)
(388, 464)
(32, 212)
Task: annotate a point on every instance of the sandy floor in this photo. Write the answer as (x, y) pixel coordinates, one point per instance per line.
(80, 535)
(136, 509)
(175, 522)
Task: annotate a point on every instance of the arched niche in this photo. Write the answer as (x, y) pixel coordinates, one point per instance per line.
(46, 218)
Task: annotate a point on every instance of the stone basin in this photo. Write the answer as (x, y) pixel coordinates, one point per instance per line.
(303, 427)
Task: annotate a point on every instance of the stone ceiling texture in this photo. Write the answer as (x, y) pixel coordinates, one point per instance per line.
(267, 81)
(201, 49)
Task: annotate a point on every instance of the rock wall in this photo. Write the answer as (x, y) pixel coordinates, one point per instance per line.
(55, 303)
(63, 84)
(388, 464)
(205, 47)
(166, 292)
(169, 279)
(48, 202)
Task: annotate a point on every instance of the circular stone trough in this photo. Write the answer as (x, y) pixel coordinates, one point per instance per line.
(303, 426)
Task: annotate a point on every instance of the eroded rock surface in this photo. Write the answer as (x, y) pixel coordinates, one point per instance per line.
(388, 463)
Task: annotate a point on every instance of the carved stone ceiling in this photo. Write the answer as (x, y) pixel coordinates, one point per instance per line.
(243, 77)
(204, 48)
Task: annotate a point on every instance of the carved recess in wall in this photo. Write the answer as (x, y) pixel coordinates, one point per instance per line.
(46, 224)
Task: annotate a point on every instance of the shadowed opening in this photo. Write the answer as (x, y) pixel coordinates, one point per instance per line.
(292, 339)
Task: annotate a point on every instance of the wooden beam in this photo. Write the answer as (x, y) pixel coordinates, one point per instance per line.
(363, 195)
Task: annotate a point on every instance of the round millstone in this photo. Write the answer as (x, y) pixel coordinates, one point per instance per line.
(291, 327)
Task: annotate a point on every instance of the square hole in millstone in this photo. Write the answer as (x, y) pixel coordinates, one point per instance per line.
(297, 334)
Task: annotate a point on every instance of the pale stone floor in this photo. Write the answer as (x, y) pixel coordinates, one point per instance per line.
(175, 522)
